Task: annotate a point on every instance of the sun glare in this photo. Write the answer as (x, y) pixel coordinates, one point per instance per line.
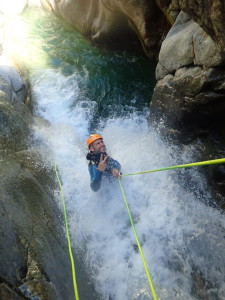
(12, 7)
(19, 45)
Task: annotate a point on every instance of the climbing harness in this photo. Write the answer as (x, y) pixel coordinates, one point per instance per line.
(68, 236)
(154, 295)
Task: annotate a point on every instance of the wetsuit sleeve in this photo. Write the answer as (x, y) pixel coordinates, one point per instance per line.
(114, 164)
(96, 178)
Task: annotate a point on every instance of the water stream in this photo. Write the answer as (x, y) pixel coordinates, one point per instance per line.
(82, 89)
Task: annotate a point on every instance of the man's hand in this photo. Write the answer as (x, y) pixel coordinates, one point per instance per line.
(116, 173)
(103, 163)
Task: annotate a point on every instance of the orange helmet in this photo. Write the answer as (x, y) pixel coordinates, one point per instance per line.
(92, 138)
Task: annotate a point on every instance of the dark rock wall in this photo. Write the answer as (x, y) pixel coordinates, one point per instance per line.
(115, 23)
(189, 94)
(209, 15)
(189, 97)
(33, 248)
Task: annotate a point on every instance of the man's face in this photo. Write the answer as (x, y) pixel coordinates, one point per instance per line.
(98, 146)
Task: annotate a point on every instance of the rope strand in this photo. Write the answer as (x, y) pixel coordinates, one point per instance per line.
(202, 163)
(138, 244)
(68, 236)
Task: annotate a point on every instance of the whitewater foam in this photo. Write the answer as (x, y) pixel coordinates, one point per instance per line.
(179, 234)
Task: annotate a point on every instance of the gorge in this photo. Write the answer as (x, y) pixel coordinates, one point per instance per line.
(149, 76)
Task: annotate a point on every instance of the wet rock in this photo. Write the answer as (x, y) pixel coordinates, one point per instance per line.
(15, 118)
(7, 292)
(34, 259)
(177, 48)
(190, 102)
(216, 180)
(188, 97)
(31, 227)
(14, 126)
(209, 15)
(206, 51)
(187, 44)
(14, 80)
(169, 8)
(201, 287)
(115, 23)
(6, 90)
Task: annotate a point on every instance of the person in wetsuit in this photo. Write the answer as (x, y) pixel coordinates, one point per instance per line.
(100, 164)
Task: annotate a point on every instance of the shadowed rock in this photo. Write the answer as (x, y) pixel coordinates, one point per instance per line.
(190, 102)
(115, 23)
(33, 251)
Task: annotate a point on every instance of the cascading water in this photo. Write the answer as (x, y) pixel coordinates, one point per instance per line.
(84, 90)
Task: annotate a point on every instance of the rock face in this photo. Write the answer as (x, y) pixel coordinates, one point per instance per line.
(188, 102)
(189, 92)
(34, 258)
(192, 53)
(209, 15)
(187, 44)
(114, 23)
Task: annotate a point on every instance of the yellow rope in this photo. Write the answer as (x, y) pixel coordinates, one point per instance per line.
(138, 243)
(202, 163)
(68, 236)
(208, 162)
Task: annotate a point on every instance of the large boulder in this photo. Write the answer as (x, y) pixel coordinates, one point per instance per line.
(189, 94)
(191, 102)
(209, 15)
(187, 44)
(188, 101)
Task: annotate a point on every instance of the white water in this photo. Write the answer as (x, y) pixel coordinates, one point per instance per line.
(177, 231)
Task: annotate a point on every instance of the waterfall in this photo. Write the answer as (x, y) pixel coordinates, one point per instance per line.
(178, 232)
(81, 90)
